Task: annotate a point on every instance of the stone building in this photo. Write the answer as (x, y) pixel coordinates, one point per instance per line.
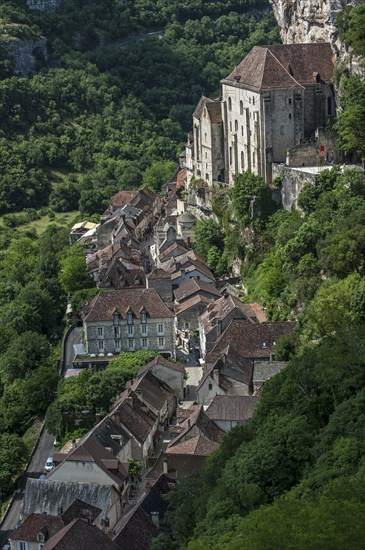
(128, 320)
(274, 99)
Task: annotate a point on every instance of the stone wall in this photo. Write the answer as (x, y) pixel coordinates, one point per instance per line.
(25, 54)
(294, 181)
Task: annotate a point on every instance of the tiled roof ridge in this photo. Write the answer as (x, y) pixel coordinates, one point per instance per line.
(285, 68)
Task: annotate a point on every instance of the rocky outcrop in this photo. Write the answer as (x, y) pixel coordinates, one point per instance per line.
(44, 5)
(27, 55)
(303, 21)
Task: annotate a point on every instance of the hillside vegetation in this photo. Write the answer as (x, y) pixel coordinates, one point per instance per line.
(73, 136)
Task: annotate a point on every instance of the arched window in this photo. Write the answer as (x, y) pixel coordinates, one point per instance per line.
(230, 155)
(230, 104)
(236, 125)
(242, 161)
(241, 107)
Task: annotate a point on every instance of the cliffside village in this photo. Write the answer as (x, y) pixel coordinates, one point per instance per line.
(215, 351)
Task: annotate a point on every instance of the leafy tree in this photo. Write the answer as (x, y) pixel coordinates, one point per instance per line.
(350, 120)
(158, 173)
(73, 274)
(208, 234)
(251, 197)
(134, 468)
(25, 353)
(13, 456)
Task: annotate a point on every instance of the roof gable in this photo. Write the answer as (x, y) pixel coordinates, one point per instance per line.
(285, 66)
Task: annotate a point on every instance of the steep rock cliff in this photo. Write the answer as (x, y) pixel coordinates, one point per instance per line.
(26, 54)
(303, 21)
(44, 5)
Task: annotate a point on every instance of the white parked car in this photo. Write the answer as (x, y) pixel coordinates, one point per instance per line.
(49, 464)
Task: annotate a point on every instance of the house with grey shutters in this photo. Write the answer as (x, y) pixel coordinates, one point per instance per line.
(128, 320)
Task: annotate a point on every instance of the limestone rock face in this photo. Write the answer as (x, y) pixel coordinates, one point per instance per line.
(44, 5)
(303, 21)
(25, 54)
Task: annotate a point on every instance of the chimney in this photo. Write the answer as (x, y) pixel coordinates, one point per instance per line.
(165, 466)
(155, 518)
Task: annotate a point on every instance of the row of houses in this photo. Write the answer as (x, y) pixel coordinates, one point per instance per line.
(155, 291)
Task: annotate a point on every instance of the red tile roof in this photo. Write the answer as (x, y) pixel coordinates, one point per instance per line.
(283, 66)
(250, 340)
(105, 304)
(80, 535)
(35, 523)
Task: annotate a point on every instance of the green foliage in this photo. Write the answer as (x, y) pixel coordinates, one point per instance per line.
(350, 120)
(73, 273)
(134, 468)
(251, 197)
(351, 23)
(208, 234)
(158, 174)
(13, 455)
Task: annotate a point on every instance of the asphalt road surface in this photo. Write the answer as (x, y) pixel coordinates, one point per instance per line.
(44, 449)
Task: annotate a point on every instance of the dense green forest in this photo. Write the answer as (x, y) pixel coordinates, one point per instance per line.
(71, 137)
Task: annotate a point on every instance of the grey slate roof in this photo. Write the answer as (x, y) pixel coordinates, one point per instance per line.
(46, 496)
(264, 370)
(232, 407)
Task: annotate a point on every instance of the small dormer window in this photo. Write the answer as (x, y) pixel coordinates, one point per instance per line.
(40, 537)
(115, 318)
(143, 317)
(264, 344)
(274, 343)
(130, 318)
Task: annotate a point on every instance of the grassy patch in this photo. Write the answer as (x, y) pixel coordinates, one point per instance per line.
(64, 219)
(31, 435)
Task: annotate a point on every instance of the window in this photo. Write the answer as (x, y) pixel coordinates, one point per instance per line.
(116, 332)
(264, 345)
(130, 343)
(116, 318)
(289, 115)
(100, 332)
(161, 343)
(253, 101)
(101, 345)
(206, 155)
(241, 107)
(130, 330)
(144, 329)
(207, 177)
(143, 317)
(130, 318)
(242, 160)
(205, 136)
(230, 103)
(289, 101)
(118, 344)
(249, 100)
(40, 537)
(236, 125)
(22, 545)
(329, 106)
(274, 343)
(210, 386)
(241, 130)
(160, 328)
(230, 125)
(230, 155)
(145, 343)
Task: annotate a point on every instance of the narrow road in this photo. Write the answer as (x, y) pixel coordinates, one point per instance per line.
(44, 449)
